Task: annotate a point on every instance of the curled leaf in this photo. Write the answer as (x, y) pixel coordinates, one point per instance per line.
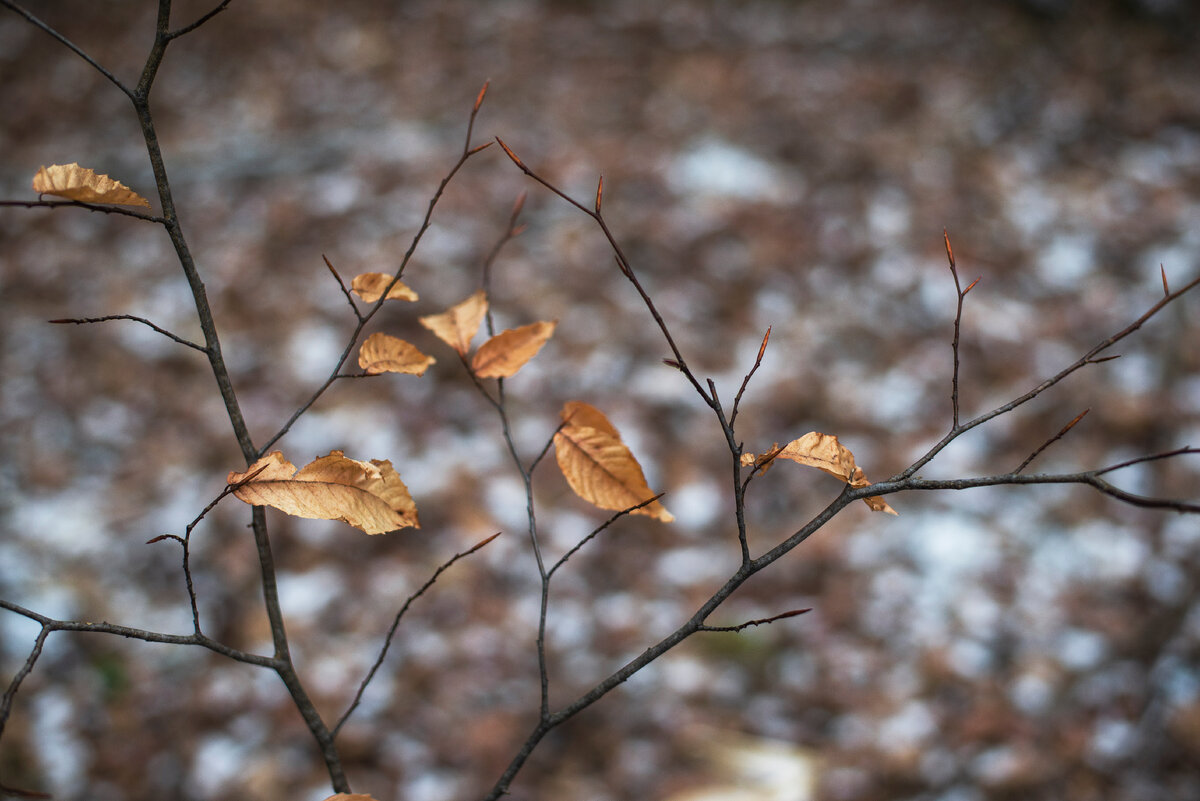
(381, 353)
(824, 452)
(457, 325)
(370, 286)
(507, 352)
(79, 183)
(368, 495)
(598, 466)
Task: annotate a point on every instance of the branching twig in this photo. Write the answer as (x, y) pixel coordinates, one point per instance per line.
(962, 293)
(1088, 358)
(622, 263)
(136, 319)
(365, 318)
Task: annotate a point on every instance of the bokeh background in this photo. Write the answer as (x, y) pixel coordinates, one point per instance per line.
(766, 163)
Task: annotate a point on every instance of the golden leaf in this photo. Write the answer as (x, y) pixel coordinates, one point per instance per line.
(824, 452)
(369, 286)
(598, 465)
(507, 352)
(381, 353)
(368, 495)
(457, 325)
(578, 413)
(79, 183)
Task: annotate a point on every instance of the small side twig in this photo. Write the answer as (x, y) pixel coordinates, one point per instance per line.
(136, 319)
(759, 622)
(962, 293)
(387, 640)
(193, 26)
(342, 284)
(74, 48)
(52, 204)
(1052, 440)
(596, 531)
(762, 349)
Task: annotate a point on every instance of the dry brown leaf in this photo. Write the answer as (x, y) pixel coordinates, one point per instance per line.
(578, 413)
(457, 325)
(824, 452)
(368, 495)
(507, 352)
(79, 183)
(369, 286)
(599, 467)
(381, 353)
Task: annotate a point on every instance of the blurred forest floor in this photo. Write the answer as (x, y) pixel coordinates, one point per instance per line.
(766, 163)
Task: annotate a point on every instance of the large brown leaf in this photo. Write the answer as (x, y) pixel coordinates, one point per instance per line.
(598, 465)
(824, 452)
(457, 325)
(507, 352)
(368, 495)
(381, 353)
(369, 286)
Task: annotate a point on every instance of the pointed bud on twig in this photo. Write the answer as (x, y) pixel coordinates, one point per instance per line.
(949, 250)
(1166, 289)
(667, 362)
(599, 193)
(330, 266)
(1071, 424)
(511, 154)
(762, 349)
(482, 92)
(1104, 359)
(475, 150)
(972, 284)
(519, 205)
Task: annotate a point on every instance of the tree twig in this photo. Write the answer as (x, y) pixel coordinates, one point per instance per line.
(135, 318)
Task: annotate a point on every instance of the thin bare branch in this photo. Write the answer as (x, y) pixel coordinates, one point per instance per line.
(185, 30)
(37, 23)
(600, 528)
(1052, 440)
(759, 622)
(762, 349)
(52, 204)
(342, 285)
(136, 319)
(387, 640)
